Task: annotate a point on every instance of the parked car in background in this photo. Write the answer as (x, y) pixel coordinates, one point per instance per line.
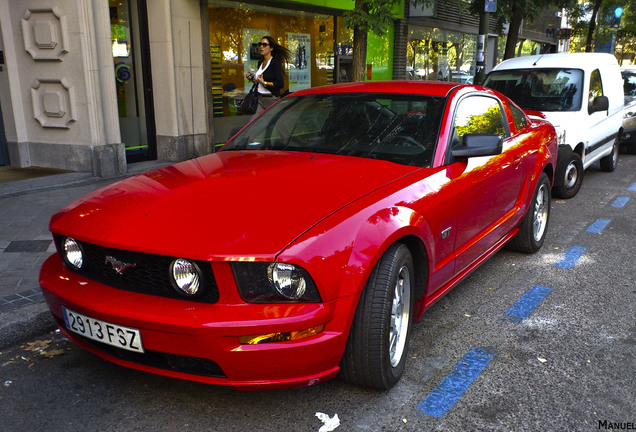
(581, 94)
(310, 242)
(628, 139)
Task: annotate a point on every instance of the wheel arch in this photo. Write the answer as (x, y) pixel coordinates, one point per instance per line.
(580, 150)
(421, 266)
(549, 171)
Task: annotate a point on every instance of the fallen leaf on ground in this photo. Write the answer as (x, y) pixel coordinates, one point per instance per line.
(38, 345)
(53, 353)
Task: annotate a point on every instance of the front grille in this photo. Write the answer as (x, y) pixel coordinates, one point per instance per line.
(150, 274)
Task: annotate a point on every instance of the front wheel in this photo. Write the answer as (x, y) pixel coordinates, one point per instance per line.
(375, 355)
(569, 175)
(608, 163)
(534, 226)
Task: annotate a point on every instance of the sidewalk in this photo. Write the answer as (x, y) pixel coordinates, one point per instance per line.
(26, 206)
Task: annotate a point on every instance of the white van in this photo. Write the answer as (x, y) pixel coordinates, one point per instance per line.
(581, 94)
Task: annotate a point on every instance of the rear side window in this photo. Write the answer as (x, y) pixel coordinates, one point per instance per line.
(519, 117)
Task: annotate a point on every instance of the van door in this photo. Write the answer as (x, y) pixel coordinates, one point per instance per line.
(601, 128)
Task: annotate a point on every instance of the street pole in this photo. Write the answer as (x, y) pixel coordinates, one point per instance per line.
(484, 19)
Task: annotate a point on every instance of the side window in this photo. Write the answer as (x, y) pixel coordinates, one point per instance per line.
(596, 86)
(519, 117)
(478, 114)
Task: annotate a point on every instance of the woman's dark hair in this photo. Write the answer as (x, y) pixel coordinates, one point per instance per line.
(279, 52)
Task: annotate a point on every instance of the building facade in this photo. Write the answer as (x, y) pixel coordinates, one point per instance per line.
(93, 85)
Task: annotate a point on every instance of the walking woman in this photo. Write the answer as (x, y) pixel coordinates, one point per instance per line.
(269, 75)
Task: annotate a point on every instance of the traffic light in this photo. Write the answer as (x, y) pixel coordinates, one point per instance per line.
(615, 19)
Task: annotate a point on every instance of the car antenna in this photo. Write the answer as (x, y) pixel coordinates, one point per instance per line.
(537, 61)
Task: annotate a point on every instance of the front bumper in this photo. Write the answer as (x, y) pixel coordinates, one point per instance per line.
(198, 341)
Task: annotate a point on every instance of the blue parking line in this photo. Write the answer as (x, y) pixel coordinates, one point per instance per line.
(598, 226)
(620, 202)
(632, 187)
(571, 257)
(444, 396)
(528, 302)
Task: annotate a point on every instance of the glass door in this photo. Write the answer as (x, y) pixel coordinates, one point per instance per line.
(131, 61)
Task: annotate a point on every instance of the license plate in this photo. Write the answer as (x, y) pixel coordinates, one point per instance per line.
(118, 336)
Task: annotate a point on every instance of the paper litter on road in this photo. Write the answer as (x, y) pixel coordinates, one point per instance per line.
(330, 423)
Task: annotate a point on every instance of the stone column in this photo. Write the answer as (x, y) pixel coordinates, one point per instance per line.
(176, 52)
(62, 93)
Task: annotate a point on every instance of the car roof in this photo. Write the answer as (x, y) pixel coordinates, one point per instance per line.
(585, 61)
(431, 88)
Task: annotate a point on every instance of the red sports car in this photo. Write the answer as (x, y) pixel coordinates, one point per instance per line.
(309, 244)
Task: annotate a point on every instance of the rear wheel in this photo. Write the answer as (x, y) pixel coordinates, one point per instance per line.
(375, 355)
(569, 176)
(608, 163)
(534, 226)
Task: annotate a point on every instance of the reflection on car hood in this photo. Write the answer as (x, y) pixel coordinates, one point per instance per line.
(227, 205)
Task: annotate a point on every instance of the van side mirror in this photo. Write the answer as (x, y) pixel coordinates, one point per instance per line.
(476, 144)
(600, 103)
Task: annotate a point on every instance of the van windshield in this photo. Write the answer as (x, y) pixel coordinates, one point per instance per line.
(540, 89)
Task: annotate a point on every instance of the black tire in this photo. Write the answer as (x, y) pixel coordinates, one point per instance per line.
(569, 176)
(534, 226)
(376, 351)
(608, 163)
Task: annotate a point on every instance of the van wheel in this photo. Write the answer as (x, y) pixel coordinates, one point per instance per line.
(569, 176)
(376, 350)
(608, 163)
(534, 226)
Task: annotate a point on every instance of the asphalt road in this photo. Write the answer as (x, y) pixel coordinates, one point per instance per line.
(569, 365)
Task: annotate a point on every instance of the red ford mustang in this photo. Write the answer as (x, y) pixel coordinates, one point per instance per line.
(309, 244)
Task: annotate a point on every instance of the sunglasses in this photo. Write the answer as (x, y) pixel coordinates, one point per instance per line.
(263, 44)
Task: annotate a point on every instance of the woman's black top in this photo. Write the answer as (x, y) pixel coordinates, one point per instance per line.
(274, 74)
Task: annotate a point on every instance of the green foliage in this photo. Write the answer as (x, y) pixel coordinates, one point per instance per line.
(625, 34)
(375, 15)
(371, 15)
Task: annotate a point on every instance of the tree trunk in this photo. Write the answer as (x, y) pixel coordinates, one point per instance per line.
(359, 54)
(360, 45)
(513, 31)
(590, 33)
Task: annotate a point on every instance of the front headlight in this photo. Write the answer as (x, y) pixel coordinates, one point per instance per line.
(185, 277)
(72, 253)
(274, 283)
(561, 137)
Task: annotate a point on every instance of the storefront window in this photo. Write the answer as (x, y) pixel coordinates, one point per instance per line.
(235, 32)
(441, 55)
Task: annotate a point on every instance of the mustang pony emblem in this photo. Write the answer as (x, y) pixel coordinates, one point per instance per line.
(118, 266)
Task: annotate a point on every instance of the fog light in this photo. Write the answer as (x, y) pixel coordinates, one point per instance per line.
(72, 253)
(185, 277)
(281, 337)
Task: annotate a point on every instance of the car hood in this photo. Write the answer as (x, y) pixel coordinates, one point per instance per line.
(564, 119)
(229, 205)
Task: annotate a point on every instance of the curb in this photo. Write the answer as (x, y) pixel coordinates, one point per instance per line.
(24, 323)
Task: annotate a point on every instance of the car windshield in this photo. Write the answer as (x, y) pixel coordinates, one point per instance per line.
(540, 89)
(393, 127)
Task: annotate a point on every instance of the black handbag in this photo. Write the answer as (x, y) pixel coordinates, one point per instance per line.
(249, 104)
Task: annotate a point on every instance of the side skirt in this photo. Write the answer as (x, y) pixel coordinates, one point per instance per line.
(430, 301)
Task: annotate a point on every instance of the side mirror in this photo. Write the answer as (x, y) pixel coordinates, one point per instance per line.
(600, 103)
(476, 144)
